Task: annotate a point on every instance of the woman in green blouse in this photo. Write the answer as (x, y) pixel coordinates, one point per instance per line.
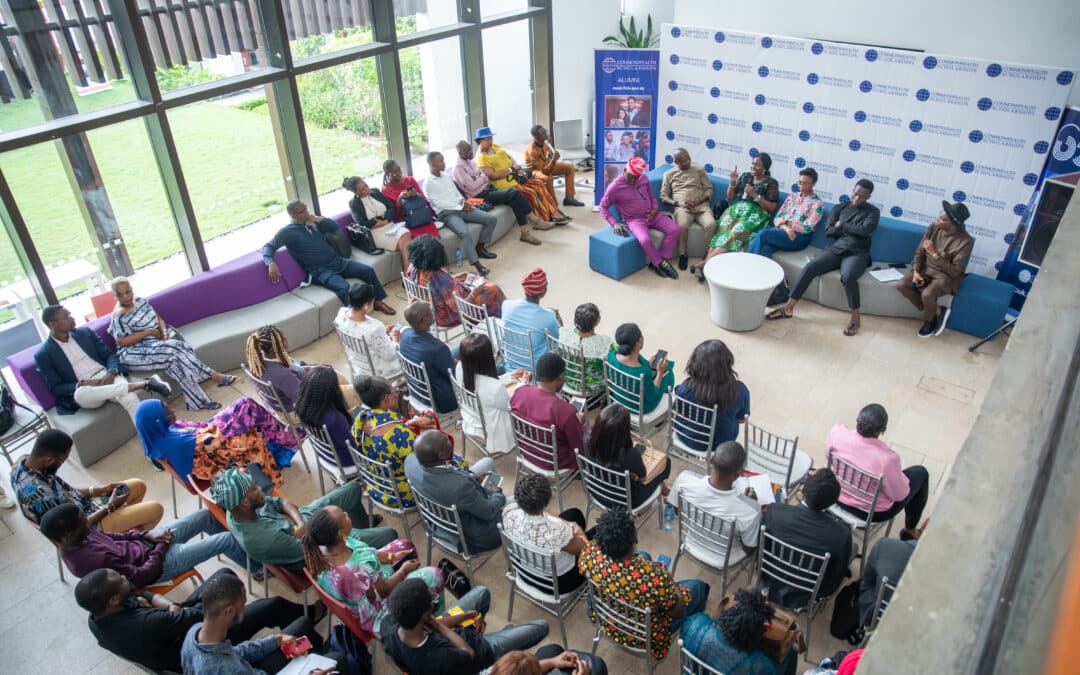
(626, 357)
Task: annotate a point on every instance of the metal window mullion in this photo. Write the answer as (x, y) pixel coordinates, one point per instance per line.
(543, 65)
(388, 67)
(472, 65)
(23, 243)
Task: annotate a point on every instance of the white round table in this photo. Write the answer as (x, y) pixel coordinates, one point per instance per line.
(740, 285)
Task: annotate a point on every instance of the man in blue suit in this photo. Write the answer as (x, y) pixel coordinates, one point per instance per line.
(81, 372)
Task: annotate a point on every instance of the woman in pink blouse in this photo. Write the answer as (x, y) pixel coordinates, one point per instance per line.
(794, 221)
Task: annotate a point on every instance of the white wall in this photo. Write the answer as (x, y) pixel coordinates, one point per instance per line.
(1042, 32)
(578, 27)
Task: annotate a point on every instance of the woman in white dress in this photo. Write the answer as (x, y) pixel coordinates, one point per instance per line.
(476, 372)
(381, 340)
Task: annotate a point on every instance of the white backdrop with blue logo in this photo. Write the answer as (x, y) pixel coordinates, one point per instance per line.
(923, 127)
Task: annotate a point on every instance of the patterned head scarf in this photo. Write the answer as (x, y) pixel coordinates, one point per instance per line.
(534, 283)
(635, 166)
(230, 487)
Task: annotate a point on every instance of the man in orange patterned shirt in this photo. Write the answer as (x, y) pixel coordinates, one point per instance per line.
(543, 159)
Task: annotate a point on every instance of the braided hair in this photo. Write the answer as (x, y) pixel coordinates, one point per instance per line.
(319, 390)
(743, 624)
(266, 344)
(321, 530)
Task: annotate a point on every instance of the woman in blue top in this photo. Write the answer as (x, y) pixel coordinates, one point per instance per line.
(731, 643)
(320, 402)
(711, 381)
(627, 357)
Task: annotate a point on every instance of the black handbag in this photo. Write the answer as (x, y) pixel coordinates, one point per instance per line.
(779, 295)
(338, 242)
(416, 211)
(361, 238)
(522, 176)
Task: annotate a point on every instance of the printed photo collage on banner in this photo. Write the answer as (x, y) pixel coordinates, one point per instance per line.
(923, 127)
(626, 83)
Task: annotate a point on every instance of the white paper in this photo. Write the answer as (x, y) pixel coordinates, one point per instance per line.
(886, 275)
(761, 485)
(395, 228)
(302, 665)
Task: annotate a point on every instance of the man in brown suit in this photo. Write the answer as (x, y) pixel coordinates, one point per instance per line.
(938, 266)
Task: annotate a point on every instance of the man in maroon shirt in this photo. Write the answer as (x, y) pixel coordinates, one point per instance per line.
(542, 406)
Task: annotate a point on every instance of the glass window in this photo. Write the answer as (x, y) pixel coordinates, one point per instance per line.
(493, 7)
(17, 301)
(233, 172)
(414, 16)
(343, 117)
(323, 27)
(434, 89)
(507, 60)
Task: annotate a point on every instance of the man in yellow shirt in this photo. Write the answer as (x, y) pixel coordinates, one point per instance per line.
(542, 157)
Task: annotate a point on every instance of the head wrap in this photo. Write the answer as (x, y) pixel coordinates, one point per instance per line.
(535, 282)
(850, 662)
(635, 166)
(162, 441)
(230, 487)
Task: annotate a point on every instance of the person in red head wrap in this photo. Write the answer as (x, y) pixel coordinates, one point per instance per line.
(639, 212)
(527, 316)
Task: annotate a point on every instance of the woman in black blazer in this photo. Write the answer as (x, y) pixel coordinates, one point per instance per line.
(371, 209)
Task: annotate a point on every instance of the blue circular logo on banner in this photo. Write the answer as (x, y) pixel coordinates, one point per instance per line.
(719, 37)
(896, 212)
(985, 103)
(713, 119)
(993, 70)
(794, 187)
(756, 126)
(959, 196)
(909, 155)
(800, 162)
(1052, 113)
(929, 63)
(670, 135)
(804, 135)
(674, 59)
(766, 42)
(763, 71)
(1031, 178)
(871, 55)
(811, 78)
(967, 167)
(916, 126)
(753, 152)
(843, 199)
(808, 108)
(860, 116)
(849, 173)
(671, 110)
(676, 31)
(922, 94)
(1020, 209)
(708, 168)
(1009, 236)
(1065, 77)
(710, 143)
(668, 159)
(817, 48)
(1041, 147)
(673, 85)
(760, 99)
(717, 64)
(866, 86)
(715, 93)
(854, 145)
(902, 184)
(975, 136)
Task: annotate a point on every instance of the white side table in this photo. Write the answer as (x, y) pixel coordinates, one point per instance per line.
(740, 285)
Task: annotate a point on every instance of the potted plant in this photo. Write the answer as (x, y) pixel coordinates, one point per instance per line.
(631, 38)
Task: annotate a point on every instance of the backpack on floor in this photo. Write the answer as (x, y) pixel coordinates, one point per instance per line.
(7, 409)
(846, 623)
(355, 657)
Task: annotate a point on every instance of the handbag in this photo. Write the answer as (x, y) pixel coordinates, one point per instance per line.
(416, 211)
(782, 634)
(522, 176)
(7, 408)
(780, 294)
(846, 623)
(338, 242)
(361, 238)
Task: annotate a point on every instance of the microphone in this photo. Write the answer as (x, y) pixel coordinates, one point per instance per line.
(549, 146)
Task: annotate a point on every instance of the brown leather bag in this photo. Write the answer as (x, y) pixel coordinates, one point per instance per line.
(782, 633)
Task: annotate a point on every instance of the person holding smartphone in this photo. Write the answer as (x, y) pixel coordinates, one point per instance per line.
(399, 187)
(612, 445)
(658, 372)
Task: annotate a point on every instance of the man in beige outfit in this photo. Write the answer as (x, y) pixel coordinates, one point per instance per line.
(687, 188)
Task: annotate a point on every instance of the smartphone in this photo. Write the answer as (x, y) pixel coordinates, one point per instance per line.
(640, 447)
(579, 404)
(660, 357)
(122, 489)
(664, 560)
(492, 482)
(301, 646)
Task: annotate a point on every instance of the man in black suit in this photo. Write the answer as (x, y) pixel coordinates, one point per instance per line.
(810, 527)
(81, 372)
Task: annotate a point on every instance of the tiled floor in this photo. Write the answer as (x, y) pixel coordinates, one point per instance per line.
(803, 375)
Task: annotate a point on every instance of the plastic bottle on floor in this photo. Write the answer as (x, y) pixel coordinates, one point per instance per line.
(669, 517)
(457, 257)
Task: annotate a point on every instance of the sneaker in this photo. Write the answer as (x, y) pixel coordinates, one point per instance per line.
(156, 385)
(683, 262)
(570, 201)
(943, 318)
(927, 329)
(6, 502)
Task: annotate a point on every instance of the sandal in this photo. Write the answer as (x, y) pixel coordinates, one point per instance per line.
(229, 379)
(778, 314)
(852, 328)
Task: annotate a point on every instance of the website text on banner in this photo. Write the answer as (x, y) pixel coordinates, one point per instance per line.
(626, 100)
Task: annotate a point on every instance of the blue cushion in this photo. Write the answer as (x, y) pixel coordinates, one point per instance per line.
(614, 256)
(895, 241)
(979, 307)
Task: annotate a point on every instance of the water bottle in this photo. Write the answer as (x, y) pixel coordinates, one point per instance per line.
(669, 517)
(457, 257)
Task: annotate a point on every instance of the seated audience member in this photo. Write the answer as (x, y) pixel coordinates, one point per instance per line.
(503, 172)
(375, 211)
(143, 556)
(149, 629)
(938, 266)
(320, 404)
(305, 240)
(639, 212)
(809, 526)
(542, 405)
(358, 575)
(525, 521)
(421, 643)
(794, 221)
(688, 189)
(527, 316)
(716, 494)
(478, 373)
(430, 471)
(243, 433)
(208, 649)
(888, 559)
(474, 183)
(610, 562)
(731, 643)
(269, 528)
(81, 372)
(752, 198)
(381, 434)
(543, 160)
(711, 381)
(380, 339)
(268, 359)
(399, 188)
(451, 208)
(427, 267)
(627, 358)
(38, 488)
(419, 346)
(547, 659)
(612, 445)
(594, 346)
(851, 225)
(146, 342)
(863, 448)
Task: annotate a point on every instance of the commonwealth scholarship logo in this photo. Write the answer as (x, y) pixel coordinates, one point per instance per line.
(608, 65)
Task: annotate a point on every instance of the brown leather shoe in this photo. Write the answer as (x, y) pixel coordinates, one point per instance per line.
(540, 225)
(381, 306)
(527, 236)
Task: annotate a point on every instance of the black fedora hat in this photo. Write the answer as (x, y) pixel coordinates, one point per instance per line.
(957, 212)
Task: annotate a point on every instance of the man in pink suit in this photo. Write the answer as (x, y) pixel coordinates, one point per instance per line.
(640, 212)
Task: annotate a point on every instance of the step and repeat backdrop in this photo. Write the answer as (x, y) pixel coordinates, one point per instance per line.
(923, 127)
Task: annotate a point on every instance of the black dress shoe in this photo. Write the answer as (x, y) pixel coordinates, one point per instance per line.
(482, 271)
(156, 385)
(570, 201)
(668, 270)
(659, 272)
(927, 329)
(482, 252)
(683, 262)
